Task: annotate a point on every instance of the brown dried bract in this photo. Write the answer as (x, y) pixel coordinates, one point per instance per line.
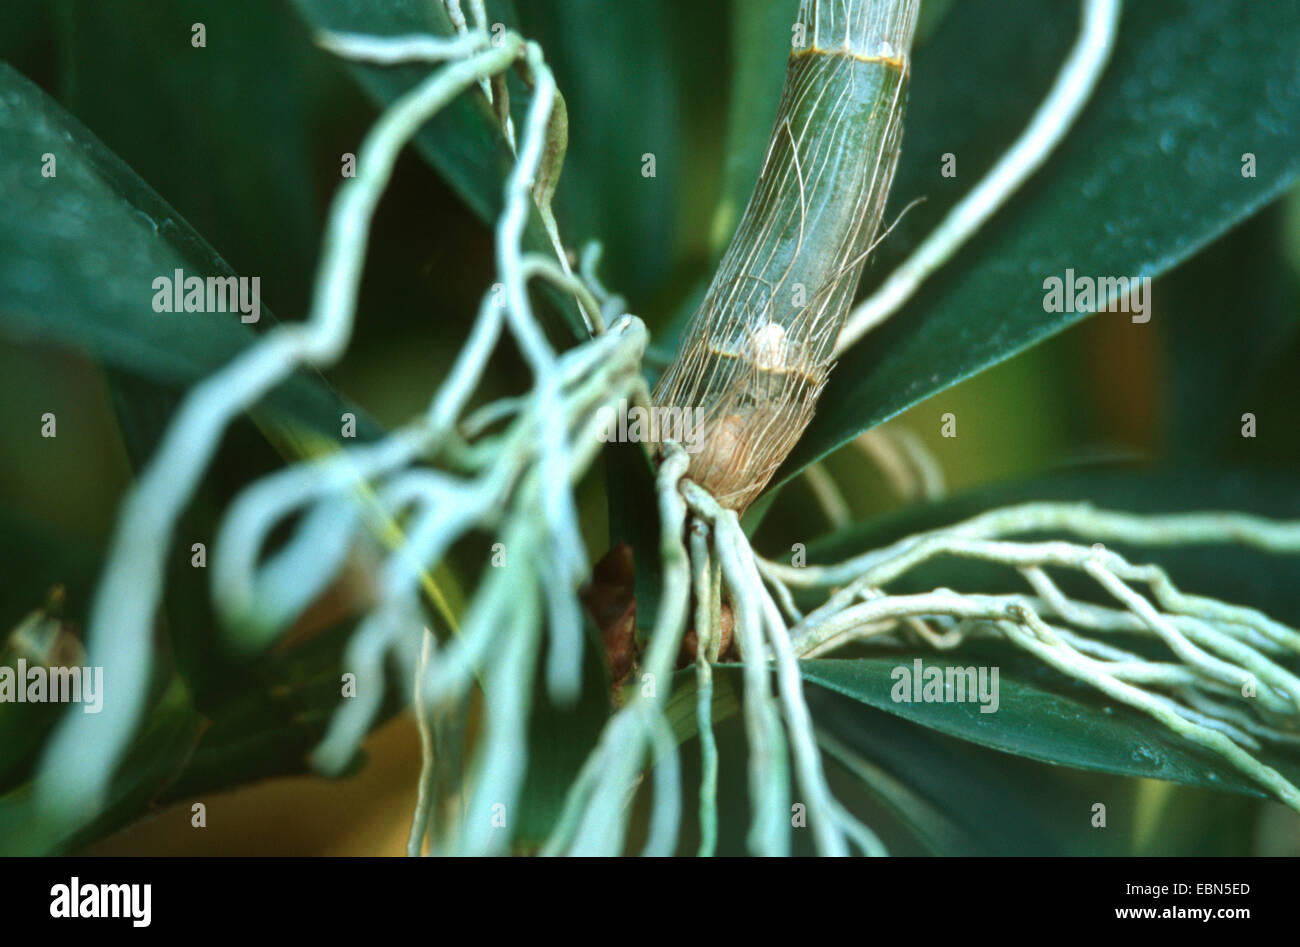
(691, 641)
(610, 599)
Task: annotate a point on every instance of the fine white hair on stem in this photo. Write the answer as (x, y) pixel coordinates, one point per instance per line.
(1073, 88)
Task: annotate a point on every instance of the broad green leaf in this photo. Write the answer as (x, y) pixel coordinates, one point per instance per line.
(269, 716)
(1014, 806)
(230, 133)
(1151, 173)
(1218, 344)
(1041, 715)
(843, 725)
(162, 745)
(79, 252)
(957, 798)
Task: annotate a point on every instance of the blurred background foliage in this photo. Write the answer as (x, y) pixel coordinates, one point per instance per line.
(243, 139)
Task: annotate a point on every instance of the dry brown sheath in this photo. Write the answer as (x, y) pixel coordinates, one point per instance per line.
(756, 354)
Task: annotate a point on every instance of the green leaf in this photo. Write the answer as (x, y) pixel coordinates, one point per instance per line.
(955, 797)
(1212, 361)
(680, 709)
(230, 133)
(1041, 715)
(269, 716)
(79, 253)
(1151, 173)
(936, 831)
(161, 747)
(261, 725)
(559, 740)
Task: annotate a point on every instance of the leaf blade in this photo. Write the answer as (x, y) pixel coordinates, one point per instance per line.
(1161, 140)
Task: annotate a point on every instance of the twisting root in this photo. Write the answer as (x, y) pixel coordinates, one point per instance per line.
(512, 481)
